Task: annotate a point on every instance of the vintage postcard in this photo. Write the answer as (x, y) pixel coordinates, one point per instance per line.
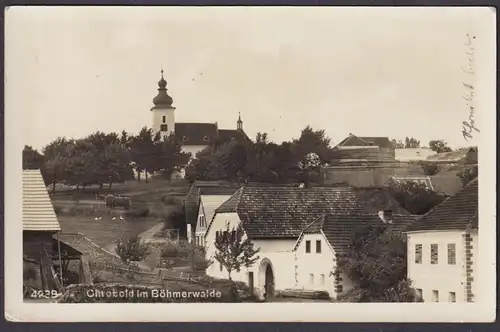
(248, 164)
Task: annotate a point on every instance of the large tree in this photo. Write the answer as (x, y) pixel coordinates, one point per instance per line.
(439, 146)
(32, 159)
(56, 156)
(234, 251)
(142, 151)
(170, 156)
(376, 263)
(409, 143)
(415, 197)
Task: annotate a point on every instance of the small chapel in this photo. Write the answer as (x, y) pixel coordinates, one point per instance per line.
(194, 136)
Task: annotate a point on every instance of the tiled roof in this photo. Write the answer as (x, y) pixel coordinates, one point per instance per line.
(38, 212)
(196, 133)
(340, 228)
(353, 140)
(455, 213)
(199, 188)
(228, 134)
(204, 133)
(285, 211)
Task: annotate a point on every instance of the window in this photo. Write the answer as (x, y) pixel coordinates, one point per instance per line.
(322, 279)
(164, 127)
(164, 119)
(318, 246)
(418, 254)
(434, 253)
(205, 139)
(452, 297)
(452, 254)
(184, 138)
(311, 279)
(435, 296)
(308, 247)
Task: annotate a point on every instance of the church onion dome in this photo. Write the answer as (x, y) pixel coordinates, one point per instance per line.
(162, 99)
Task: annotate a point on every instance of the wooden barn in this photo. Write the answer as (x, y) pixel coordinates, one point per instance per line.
(40, 225)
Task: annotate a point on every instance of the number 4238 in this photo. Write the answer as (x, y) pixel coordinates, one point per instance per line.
(44, 294)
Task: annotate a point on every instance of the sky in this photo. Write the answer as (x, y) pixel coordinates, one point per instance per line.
(71, 71)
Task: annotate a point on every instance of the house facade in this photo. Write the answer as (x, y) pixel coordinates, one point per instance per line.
(208, 204)
(301, 233)
(443, 249)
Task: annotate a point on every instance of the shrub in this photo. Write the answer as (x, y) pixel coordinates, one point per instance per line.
(132, 249)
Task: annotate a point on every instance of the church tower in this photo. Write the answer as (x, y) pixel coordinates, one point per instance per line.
(163, 111)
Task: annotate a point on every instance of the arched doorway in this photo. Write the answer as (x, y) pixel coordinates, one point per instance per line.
(266, 279)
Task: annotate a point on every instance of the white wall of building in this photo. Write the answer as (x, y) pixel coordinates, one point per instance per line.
(441, 277)
(169, 115)
(292, 269)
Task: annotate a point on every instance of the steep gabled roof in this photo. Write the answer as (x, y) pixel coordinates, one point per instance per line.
(458, 212)
(268, 212)
(229, 134)
(38, 212)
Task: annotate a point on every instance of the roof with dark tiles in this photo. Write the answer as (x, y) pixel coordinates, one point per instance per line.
(458, 212)
(353, 140)
(340, 228)
(199, 188)
(193, 133)
(269, 212)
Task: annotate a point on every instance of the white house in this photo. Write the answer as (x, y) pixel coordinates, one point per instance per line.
(301, 232)
(208, 204)
(443, 248)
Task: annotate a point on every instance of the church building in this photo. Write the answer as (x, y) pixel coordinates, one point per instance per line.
(195, 136)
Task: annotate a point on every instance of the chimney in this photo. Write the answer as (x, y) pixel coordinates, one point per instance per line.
(385, 216)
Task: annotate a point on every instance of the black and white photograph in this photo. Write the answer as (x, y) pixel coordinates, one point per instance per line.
(272, 163)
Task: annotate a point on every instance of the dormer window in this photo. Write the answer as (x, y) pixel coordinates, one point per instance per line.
(205, 139)
(184, 138)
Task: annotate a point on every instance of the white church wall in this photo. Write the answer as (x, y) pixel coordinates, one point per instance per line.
(164, 116)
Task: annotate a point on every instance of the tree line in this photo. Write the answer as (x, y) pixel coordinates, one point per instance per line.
(262, 160)
(106, 158)
(438, 146)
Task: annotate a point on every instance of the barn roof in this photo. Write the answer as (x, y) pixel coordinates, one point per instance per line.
(458, 212)
(268, 212)
(38, 212)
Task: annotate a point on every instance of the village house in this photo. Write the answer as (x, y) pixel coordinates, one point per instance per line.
(202, 200)
(300, 232)
(443, 249)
